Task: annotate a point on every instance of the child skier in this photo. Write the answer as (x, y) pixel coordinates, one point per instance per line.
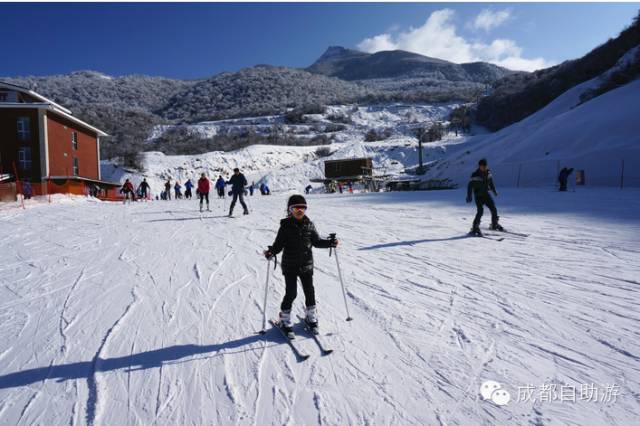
(220, 184)
(480, 184)
(188, 187)
(296, 236)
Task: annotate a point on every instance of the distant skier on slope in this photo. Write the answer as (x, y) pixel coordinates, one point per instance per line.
(188, 186)
(127, 190)
(167, 189)
(143, 188)
(563, 176)
(237, 182)
(296, 236)
(203, 190)
(220, 184)
(481, 183)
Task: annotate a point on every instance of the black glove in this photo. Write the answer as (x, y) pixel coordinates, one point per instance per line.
(333, 243)
(267, 254)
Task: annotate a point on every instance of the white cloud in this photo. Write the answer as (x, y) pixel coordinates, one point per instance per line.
(488, 19)
(438, 38)
(377, 44)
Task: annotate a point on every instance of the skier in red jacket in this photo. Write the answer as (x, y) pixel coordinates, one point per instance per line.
(203, 190)
(127, 190)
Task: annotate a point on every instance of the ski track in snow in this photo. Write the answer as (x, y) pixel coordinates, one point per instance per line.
(147, 313)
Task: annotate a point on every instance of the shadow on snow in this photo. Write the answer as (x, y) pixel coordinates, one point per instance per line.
(413, 242)
(141, 361)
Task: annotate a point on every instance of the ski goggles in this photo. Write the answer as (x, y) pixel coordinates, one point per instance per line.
(294, 207)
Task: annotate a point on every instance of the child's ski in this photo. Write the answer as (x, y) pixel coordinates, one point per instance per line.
(471, 234)
(504, 231)
(299, 355)
(314, 335)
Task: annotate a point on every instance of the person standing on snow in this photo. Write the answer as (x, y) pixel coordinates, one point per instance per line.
(27, 190)
(177, 187)
(144, 188)
(237, 182)
(188, 185)
(127, 190)
(296, 238)
(220, 184)
(203, 190)
(167, 189)
(481, 183)
(563, 177)
(251, 188)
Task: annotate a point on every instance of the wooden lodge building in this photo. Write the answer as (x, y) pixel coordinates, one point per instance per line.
(43, 142)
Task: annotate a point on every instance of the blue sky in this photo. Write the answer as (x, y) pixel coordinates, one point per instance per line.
(199, 40)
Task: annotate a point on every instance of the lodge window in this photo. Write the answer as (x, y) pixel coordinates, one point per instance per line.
(75, 167)
(74, 140)
(24, 158)
(3, 96)
(24, 128)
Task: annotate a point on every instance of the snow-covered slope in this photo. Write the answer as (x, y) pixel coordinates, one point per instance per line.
(594, 136)
(255, 161)
(287, 168)
(147, 313)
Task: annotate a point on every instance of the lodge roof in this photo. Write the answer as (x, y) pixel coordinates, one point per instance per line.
(47, 104)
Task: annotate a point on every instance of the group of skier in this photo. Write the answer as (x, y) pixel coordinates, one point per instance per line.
(238, 183)
(297, 235)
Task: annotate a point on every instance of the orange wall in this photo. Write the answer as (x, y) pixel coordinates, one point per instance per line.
(59, 134)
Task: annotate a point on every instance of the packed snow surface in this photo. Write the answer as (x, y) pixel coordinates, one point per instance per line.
(147, 313)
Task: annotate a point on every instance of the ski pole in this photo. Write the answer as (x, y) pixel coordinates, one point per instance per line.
(266, 290)
(332, 237)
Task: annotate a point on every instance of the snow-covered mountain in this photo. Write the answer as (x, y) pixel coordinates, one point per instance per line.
(352, 65)
(290, 167)
(595, 136)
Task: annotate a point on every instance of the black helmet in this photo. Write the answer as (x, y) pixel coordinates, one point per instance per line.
(296, 200)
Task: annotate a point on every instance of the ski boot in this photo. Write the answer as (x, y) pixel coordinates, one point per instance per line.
(246, 212)
(496, 227)
(475, 231)
(285, 324)
(200, 208)
(311, 319)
